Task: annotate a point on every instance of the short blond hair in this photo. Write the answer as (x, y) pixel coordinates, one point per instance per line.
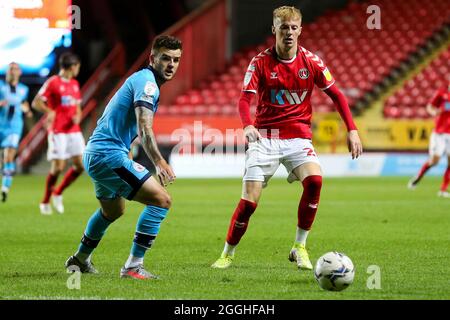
(287, 12)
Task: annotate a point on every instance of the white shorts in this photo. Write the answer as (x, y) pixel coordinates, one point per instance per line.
(263, 158)
(439, 144)
(63, 146)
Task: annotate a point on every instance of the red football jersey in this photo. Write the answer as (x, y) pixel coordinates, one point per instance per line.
(441, 100)
(62, 96)
(284, 89)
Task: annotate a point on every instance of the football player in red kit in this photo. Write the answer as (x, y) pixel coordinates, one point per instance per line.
(439, 146)
(60, 99)
(283, 78)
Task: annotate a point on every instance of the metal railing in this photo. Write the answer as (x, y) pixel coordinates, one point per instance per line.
(33, 143)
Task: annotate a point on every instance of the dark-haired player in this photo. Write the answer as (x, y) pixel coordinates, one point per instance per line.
(60, 100)
(130, 114)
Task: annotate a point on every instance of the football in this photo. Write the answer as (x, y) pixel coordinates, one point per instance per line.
(334, 271)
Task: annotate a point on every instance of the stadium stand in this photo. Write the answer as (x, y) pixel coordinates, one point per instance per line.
(365, 59)
(410, 100)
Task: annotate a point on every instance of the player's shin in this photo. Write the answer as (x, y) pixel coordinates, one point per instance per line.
(49, 184)
(446, 180)
(308, 206)
(70, 176)
(425, 167)
(95, 229)
(238, 225)
(147, 229)
(8, 172)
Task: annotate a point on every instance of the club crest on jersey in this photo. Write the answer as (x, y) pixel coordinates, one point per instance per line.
(303, 73)
(273, 75)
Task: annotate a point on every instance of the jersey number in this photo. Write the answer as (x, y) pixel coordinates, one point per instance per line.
(310, 152)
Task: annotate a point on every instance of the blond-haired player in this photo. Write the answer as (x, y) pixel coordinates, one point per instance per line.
(283, 77)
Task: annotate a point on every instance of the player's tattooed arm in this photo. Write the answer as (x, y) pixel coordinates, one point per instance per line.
(144, 118)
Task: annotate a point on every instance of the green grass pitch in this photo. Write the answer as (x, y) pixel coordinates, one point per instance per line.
(376, 221)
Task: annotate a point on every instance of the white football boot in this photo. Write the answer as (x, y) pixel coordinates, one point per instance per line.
(57, 202)
(45, 208)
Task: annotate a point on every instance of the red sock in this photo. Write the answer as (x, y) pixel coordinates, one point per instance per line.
(446, 180)
(422, 172)
(239, 221)
(49, 184)
(309, 202)
(69, 177)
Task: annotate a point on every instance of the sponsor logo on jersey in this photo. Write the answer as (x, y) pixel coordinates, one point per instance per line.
(303, 73)
(68, 101)
(327, 74)
(147, 98)
(282, 97)
(273, 75)
(150, 88)
(447, 106)
(247, 78)
(138, 167)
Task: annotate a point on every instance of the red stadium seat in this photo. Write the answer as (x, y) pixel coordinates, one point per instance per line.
(359, 59)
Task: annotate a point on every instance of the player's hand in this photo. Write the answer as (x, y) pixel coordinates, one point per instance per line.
(165, 172)
(354, 144)
(3, 103)
(76, 119)
(50, 119)
(251, 134)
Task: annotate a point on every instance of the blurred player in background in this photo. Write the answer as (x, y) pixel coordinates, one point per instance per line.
(13, 104)
(60, 99)
(283, 77)
(439, 146)
(130, 114)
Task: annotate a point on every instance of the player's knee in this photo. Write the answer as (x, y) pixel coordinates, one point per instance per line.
(433, 161)
(163, 200)
(113, 214)
(57, 170)
(166, 201)
(78, 168)
(312, 183)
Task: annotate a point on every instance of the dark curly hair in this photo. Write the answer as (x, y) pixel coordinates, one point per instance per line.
(68, 59)
(168, 42)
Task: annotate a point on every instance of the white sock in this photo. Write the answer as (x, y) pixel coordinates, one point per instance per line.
(301, 235)
(133, 261)
(83, 257)
(229, 249)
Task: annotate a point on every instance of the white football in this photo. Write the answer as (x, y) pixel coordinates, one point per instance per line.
(334, 271)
